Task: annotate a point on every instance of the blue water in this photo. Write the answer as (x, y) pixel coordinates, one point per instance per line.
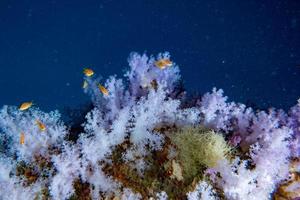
(251, 49)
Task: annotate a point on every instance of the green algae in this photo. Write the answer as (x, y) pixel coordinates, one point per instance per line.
(198, 148)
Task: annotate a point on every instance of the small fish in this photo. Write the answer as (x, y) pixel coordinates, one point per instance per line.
(103, 89)
(41, 126)
(25, 105)
(88, 72)
(163, 63)
(84, 85)
(22, 138)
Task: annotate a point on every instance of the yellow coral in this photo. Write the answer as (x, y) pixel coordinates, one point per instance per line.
(198, 148)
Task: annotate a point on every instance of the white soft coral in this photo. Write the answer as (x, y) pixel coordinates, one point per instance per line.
(68, 167)
(270, 159)
(203, 191)
(14, 122)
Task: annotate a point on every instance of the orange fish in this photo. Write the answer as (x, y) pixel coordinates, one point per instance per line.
(88, 72)
(41, 126)
(22, 138)
(25, 106)
(163, 63)
(103, 89)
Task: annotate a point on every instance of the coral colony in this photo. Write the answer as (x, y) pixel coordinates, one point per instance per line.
(145, 139)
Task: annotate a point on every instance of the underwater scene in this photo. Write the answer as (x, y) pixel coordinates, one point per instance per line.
(154, 100)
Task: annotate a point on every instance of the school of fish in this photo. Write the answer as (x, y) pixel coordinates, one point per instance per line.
(161, 64)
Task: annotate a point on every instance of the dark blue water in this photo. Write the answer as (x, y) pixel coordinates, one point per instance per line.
(251, 49)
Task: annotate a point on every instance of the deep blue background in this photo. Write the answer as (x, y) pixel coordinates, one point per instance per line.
(251, 49)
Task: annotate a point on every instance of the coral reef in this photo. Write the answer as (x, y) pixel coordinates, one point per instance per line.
(143, 138)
